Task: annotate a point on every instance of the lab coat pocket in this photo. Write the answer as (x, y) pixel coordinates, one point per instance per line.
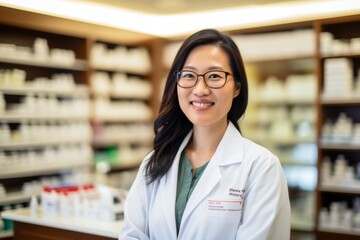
(224, 208)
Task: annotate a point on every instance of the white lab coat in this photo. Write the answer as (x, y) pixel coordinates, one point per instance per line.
(242, 195)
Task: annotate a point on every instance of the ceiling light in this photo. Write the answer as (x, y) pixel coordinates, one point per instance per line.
(171, 25)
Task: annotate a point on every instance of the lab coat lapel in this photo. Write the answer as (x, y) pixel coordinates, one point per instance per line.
(224, 155)
(167, 189)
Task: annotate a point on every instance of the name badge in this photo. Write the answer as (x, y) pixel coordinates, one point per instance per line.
(225, 207)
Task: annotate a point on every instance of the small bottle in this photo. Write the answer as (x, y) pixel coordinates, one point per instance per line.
(5, 133)
(357, 171)
(2, 104)
(34, 205)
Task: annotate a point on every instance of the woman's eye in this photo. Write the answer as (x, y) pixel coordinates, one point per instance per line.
(214, 76)
(188, 76)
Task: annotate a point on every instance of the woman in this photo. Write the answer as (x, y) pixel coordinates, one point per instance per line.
(203, 180)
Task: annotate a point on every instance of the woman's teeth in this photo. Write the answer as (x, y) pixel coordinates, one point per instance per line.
(202, 104)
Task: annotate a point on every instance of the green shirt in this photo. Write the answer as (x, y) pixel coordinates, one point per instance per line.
(185, 185)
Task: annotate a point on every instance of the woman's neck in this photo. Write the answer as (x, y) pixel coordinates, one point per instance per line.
(204, 143)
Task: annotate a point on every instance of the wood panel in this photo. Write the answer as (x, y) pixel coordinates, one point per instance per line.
(26, 231)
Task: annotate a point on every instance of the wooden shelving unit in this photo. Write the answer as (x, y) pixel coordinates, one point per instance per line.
(329, 108)
(20, 29)
(16, 90)
(262, 71)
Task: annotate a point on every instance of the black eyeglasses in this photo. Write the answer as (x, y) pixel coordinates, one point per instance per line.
(213, 79)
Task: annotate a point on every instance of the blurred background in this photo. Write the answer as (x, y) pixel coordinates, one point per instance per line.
(81, 83)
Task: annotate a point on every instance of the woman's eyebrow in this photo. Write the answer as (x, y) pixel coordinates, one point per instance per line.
(190, 67)
(209, 68)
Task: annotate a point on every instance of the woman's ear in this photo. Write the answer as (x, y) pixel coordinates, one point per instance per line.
(237, 88)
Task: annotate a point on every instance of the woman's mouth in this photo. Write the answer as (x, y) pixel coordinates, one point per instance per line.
(202, 104)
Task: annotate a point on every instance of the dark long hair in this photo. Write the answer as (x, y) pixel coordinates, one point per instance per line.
(171, 126)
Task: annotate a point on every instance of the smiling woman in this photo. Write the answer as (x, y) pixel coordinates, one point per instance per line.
(206, 103)
(202, 176)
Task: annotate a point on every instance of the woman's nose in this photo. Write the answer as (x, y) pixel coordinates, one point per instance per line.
(201, 88)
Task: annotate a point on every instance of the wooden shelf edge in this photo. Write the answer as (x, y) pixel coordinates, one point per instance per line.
(78, 65)
(340, 188)
(6, 234)
(343, 146)
(33, 171)
(44, 143)
(339, 231)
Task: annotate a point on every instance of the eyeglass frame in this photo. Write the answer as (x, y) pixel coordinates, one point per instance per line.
(202, 75)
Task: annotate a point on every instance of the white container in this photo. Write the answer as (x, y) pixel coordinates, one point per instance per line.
(2, 104)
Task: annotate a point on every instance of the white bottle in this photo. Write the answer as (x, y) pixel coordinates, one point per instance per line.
(33, 205)
(53, 203)
(5, 133)
(2, 104)
(356, 221)
(77, 204)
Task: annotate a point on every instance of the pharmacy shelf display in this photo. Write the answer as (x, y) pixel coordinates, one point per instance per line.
(122, 113)
(45, 130)
(339, 133)
(281, 113)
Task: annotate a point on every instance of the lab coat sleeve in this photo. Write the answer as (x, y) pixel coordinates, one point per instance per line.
(266, 209)
(135, 214)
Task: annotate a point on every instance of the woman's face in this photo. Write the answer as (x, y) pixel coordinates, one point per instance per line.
(202, 105)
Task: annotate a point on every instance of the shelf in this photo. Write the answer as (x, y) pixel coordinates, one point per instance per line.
(36, 144)
(25, 90)
(275, 65)
(25, 117)
(287, 102)
(339, 231)
(342, 146)
(283, 142)
(106, 143)
(120, 119)
(340, 188)
(38, 170)
(284, 58)
(79, 65)
(6, 234)
(120, 96)
(346, 100)
(15, 197)
(120, 70)
(344, 55)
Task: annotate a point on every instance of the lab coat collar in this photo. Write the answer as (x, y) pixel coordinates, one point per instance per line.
(168, 186)
(229, 151)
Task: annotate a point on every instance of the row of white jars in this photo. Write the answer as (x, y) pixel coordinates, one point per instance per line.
(330, 45)
(340, 217)
(341, 131)
(122, 133)
(47, 158)
(42, 105)
(121, 58)
(63, 132)
(40, 52)
(17, 78)
(104, 109)
(339, 80)
(121, 85)
(340, 172)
